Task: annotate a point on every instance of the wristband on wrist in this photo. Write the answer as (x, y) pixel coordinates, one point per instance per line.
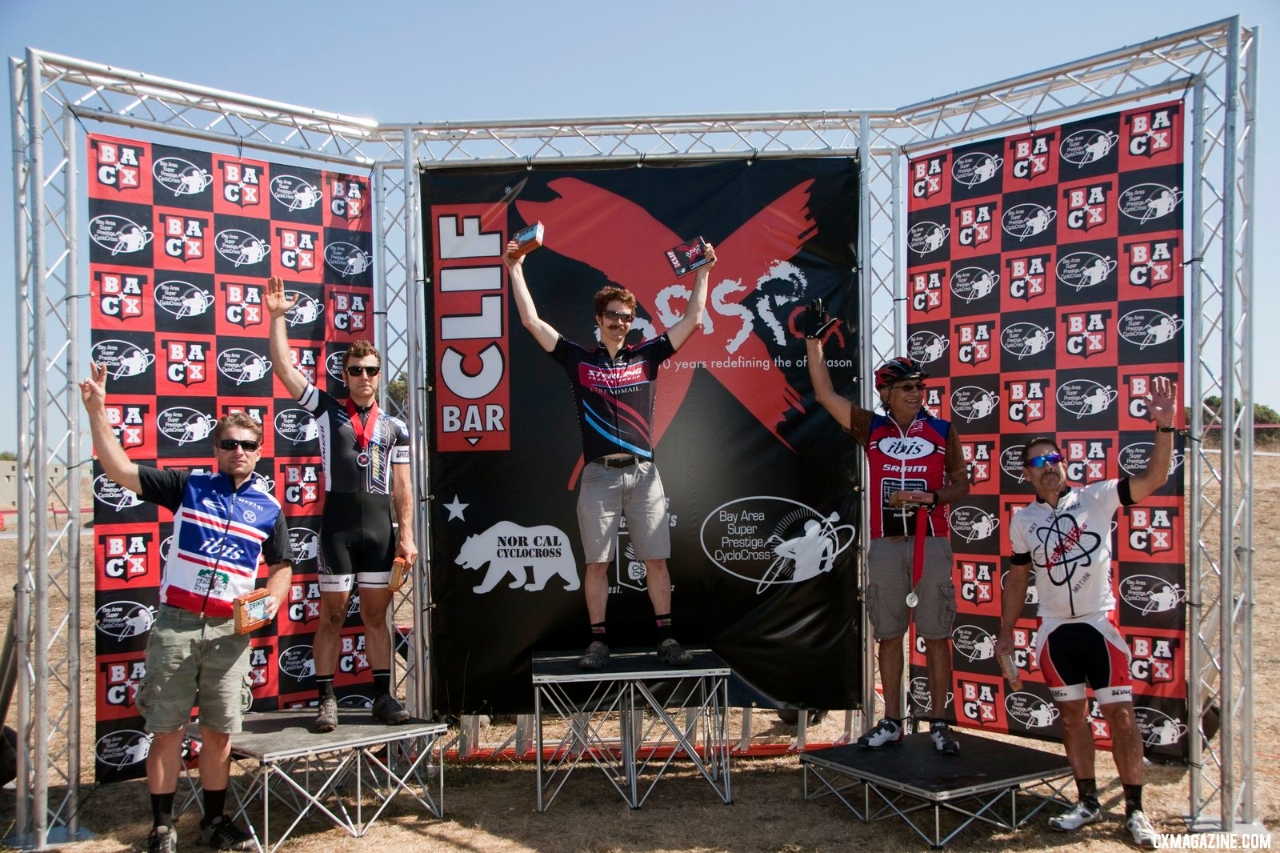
(1166, 429)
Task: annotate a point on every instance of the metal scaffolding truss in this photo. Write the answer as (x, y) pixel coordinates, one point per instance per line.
(56, 98)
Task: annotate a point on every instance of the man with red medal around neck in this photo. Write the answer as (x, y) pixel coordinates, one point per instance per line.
(366, 481)
(916, 467)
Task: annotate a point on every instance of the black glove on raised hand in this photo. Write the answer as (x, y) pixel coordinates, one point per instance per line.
(816, 321)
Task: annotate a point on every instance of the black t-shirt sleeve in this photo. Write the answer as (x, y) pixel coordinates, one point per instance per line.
(164, 488)
(276, 548)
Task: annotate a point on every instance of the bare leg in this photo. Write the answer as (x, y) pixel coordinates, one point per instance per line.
(1077, 737)
(658, 580)
(889, 653)
(377, 640)
(164, 762)
(596, 587)
(333, 612)
(1126, 743)
(215, 760)
(938, 659)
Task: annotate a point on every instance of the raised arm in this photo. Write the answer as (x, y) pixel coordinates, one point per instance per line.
(692, 319)
(542, 331)
(816, 323)
(278, 304)
(1162, 405)
(115, 462)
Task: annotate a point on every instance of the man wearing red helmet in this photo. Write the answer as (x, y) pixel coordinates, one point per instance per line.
(916, 467)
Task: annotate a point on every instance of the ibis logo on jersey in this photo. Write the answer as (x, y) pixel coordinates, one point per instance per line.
(124, 748)
(1027, 220)
(1151, 263)
(304, 311)
(297, 426)
(185, 425)
(973, 524)
(182, 299)
(971, 284)
(129, 423)
(304, 598)
(972, 403)
(926, 176)
(1030, 710)
(241, 184)
(348, 199)
(121, 620)
(974, 342)
(1026, 400)
(1151, 133)
(1027, 278)
(298, 249)
(119, 235)
(1148, 202)
(185, 362)
(346, 259)
(1087, 206)
(1088, 146)
(978, 458)
(241, 248)
(1086, 459)
(244, 303)
(243, 366)
(1148, 594)
(925, 237)
(184, 236)
(352, 657)
(125, 556)
(297, 662)
(301, 483)
(122, 359)
(120, 294)
(305, 359)
(927, 347)
(111, 494)
(926, 290)
(1158, 728)
(295, 193)
(975, 224)
(1031, 156)
(976, 167)
(906, 448)
(1152, 529)
(118, 166)
(978, 702)
(1085, 397)
(1024, 340)
(349, 312)
(180, 177)
(122, 679)
(1086, 333)
(977, 585)
(1149, 327)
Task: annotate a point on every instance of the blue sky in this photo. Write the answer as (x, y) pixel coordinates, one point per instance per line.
(494, 59)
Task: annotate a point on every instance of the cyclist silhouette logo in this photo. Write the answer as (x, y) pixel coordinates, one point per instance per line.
(807, 555)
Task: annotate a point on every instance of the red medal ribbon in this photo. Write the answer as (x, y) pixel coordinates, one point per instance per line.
(363, 430)
(917, 556)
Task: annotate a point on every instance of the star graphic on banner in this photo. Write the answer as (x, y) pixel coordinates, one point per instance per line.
(455, 509)
(588, 223)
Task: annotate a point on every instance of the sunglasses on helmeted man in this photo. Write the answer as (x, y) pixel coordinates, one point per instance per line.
(908, 387)
(1043, 460)
(248, 444)
(366, 369)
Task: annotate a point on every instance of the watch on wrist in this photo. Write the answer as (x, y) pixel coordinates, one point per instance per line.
(1166, 429)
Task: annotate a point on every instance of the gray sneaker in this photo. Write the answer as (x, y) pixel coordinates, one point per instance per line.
(387, 709)
(326, 716)
(673, 654)
(595, 657)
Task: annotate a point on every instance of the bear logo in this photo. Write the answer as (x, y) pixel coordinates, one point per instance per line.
(509, 548)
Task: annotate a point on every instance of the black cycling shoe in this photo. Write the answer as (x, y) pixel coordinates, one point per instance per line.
(595, 657)
(387, 709)
(673, 654)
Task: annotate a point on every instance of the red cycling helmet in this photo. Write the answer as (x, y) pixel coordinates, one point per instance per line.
(898, 369)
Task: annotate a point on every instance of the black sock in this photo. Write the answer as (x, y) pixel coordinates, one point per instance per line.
(663, 621)
(162, 809)
(215, 802)
(1087, 792)
(324, 687)
(1132, 799)
(381, 682)
(598, 633)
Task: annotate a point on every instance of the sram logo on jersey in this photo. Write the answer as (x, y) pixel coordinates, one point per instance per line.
(119, 166)
(926, 289)
(120, 294)
(977, 582)
(1086, 459)
(974, 342)
(926, 177)
(1086, 332)
(1151, 529)
(1027, 276)
(1154, 659)
(1151, 264)
(124, 556)
(185, 362)
(1026, 400)
(1031, 156)
(244, 303)
(184, 236)
(301, 483)
(1151, 133)
(298, 248)
(974, 224)
(129, 423)
(1087, 206)
(978, 702)
(241, 184)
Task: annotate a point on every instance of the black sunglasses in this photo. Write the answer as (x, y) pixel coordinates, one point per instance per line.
(248, 444)
(367, 370)
(1043, 460)
(908, 387)
(620, 316)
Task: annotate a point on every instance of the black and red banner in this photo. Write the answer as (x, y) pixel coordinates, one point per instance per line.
(181, 245)
(760, 483)
(1045, 286)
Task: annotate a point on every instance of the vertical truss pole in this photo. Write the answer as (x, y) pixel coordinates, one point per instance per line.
(866, 291)
(71, 397)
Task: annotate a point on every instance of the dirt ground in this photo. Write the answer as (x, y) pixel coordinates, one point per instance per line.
(491, 805)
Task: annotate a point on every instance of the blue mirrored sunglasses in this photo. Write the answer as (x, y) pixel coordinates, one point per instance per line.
(1041, 461)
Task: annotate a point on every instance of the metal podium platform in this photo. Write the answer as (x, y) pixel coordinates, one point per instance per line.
(619, 718)
(286, 766)
(976, 785)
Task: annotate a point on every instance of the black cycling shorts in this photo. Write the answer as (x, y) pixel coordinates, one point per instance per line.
(356, 534)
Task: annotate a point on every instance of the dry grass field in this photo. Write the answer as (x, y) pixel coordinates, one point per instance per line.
(490, 806)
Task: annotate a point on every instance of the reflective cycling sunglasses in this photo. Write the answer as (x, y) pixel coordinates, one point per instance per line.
(367, 370)
(1043, 460)
(619, 316)
(248, 444)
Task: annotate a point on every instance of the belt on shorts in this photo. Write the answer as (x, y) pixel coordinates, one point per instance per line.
(617, 462)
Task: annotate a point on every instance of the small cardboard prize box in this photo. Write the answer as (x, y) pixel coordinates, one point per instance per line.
(251, 611)
(688, 257)
(528, 239)
(399, 574)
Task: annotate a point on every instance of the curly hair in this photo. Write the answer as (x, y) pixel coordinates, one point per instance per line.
(359, 349)
(614, 294)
